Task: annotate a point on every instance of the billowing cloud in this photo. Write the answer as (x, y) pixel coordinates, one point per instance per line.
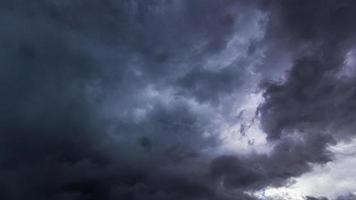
(132, 99)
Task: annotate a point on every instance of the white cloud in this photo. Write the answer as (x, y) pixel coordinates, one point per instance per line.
(329, 180)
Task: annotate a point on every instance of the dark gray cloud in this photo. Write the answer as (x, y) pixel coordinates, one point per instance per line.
(314, 95)
(289, 158)
(314, 102)
(346, 197)
(315, 198)
(210, 85)
(312, 107)
(123, 99)
(83, 116)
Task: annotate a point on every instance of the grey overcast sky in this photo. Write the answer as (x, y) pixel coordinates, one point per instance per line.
(178, 100)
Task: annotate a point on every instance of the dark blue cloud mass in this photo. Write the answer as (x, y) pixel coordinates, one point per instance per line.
(129, 99)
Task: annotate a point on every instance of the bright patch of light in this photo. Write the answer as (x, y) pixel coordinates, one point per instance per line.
(348, 69)
(245, 136)
(329, 180)
(283, 193)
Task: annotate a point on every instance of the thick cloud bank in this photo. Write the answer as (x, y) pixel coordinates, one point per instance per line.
(136, 100)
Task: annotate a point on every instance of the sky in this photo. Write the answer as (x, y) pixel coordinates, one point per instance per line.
(178, 100)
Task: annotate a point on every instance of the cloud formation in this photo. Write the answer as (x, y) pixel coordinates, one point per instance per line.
(129, 99)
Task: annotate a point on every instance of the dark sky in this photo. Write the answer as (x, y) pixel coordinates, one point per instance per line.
(176, 99)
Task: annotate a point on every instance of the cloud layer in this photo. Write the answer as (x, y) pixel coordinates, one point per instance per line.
(131, 99)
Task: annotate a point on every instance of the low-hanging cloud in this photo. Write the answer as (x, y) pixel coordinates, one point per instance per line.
(125, 99)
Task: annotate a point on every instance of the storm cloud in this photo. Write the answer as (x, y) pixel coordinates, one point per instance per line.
(133, 99)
